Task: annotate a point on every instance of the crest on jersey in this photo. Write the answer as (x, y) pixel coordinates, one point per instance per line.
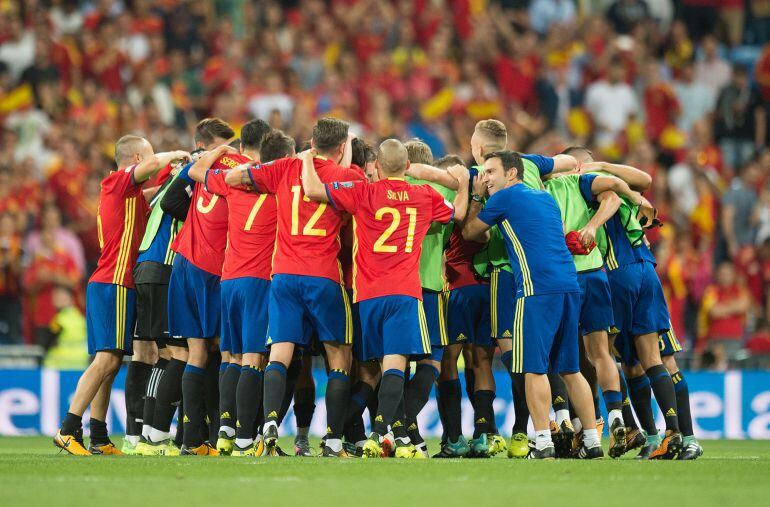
(342, 184)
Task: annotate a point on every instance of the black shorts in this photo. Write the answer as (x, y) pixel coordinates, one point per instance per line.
(151, 280)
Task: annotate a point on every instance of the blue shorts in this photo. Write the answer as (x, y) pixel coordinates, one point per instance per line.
(468, 315)
(244, 315)
(434, 304)
(638, 305)
(595, 302)
(502, 299)
(545, 335)
(305, 306)
(193, 301)
(110, 317)
(669, 343)
(394, 325)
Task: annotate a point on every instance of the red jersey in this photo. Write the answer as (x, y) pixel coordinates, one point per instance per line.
(251, 223)
(390, 219)
(459, 270)
(203, 237)
(307, 242)
(120, 222)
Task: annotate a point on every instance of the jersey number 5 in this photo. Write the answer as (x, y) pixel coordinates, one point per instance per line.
(380, 246)
(309, 229)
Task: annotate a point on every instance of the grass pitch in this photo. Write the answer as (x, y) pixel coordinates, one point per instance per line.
(33, 473)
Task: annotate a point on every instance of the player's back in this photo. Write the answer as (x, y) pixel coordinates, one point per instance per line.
(531, 222)
(203, 236)
(307, 241)
(251, 226)
(390, 223)
(121, 219)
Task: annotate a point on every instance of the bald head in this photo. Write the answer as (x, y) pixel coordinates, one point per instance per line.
(131, 150)
(393, 159)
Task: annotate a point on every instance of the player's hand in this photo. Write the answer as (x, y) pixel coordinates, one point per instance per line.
(479, 186)
(647, 214)
(307, 154)
(225, 148)
(587, 236)
(459, 172)
(588, 167)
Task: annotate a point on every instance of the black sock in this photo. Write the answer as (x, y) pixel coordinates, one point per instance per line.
(355, 430)
(193, 391)
(416, 396)
(304, 406)
(274, 391)
(559, 394)
(628, 414)
(641, 399)
(248, 396)
(337, 400)
(148, 410)
(451, 394)
(663, 387)
(228, 408)
(179, 436)
(520, 408)
(71, 424)
(470, 383)
(371, 404)
(390, 397)
(613, 400)
(397, 426)
(137, 377)
(683, 403)
(360, 394)
(98, 432)
(441, 408)
(292, 375)
(169, 395)
(483, 412)
(211, 398)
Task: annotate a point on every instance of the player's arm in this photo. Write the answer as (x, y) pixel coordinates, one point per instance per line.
(198, 170)
(347, 154)
(462, 176)
(311, 183)
(564, 163)
(607, 183)
(176, 200)
(433, 174)
(146, 169)
(636, 178)
(475, 229)
(609, 202)
(149, 193)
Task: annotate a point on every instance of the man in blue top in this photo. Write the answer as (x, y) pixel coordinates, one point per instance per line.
(546, 292)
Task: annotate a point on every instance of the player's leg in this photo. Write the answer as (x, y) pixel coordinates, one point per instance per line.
(363, 394)
(168, 399)
(304, 406)
(193, 394)
(691, 448)
(597, 352)
(640, 393)
(137, 377)
(562, 431)
(248, 398)
(450, 396)
(634, 436)
(99, 442)
(110, 311)
(484, 396)
(150, 397)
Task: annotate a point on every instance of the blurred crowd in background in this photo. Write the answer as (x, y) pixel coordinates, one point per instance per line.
(678, 88)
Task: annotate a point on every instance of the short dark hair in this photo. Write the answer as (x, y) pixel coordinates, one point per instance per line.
(448, 161)
(510, 160)
(572, 150)
(363, 152)
(209, 129)
(276, 145)
(328, 133)
(253, 134)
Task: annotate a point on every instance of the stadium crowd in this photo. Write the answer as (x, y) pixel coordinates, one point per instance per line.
(679, 89)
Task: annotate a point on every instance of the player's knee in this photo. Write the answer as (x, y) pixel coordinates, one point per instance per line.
(670, 363)
(107, 363)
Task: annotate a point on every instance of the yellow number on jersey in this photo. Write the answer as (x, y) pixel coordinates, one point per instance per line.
(309, 228)
(205, 209)
(254, 211)
(380, 246)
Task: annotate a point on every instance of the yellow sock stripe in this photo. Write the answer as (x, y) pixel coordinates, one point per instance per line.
(348, 316)
(612, 261)
(517, 346)
(526, 275)
(493, 301)
(442, 319)
(424, 335)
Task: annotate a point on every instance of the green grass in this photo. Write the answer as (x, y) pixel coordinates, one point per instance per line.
(33, 473)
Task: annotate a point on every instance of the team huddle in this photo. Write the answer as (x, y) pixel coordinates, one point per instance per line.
(249, 258)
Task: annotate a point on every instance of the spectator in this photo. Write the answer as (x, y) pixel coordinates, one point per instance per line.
(545, 13)
(700, 16)
(723, 316)
(738, 210)
(611, 104)
(50, 221)
(696, 98)
(18, 48)
(148, 90)
(711, 69)
(69, 351)
(740, 125)
(10, 274)
(48, 268)
(625, 15)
